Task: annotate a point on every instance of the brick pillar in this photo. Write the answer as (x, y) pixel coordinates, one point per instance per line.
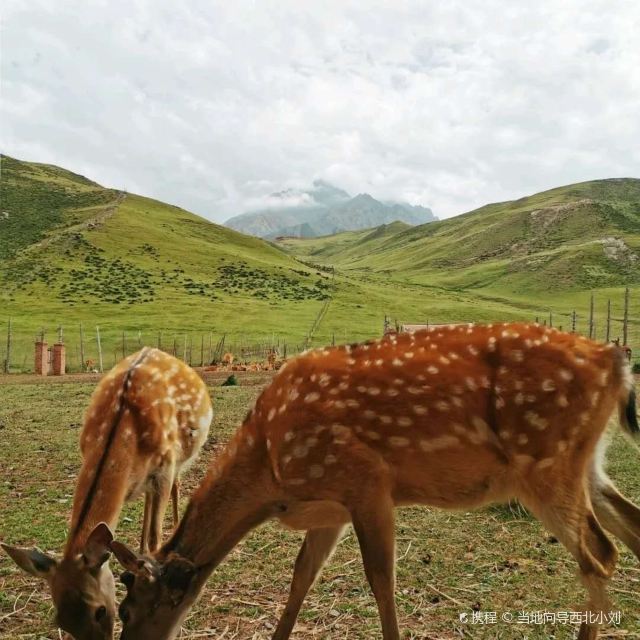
(59, 359)
(42, 358)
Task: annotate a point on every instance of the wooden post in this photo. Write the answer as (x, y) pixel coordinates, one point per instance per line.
(591, 317)
(184, 350)
(625, 318)
(175, 346)
(608, 328)
(7, 362)
(99, 349)
(82, 363)
(202, 349)
(573, 321)
(190, 349)
(210, 339)
(551, 318)
(159, 339)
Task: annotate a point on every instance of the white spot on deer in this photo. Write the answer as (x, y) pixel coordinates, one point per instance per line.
(441, 405)
(419, 410)
(361, 389)
(299, 451)
(373, 391)
(312, 397)
(408, 354)
(472, 350)
(369, 414)
(415, 390)
(339, 430)
(324, 380)
(386, 419)
(471, 384)
(457, 401)
(561, 400)
(491, 344)
(271, 414)
(444, 360)
(562, 446)
(379, 362)
(293, 394)
(454, 356)
(548, 385)
(504, 434)
(519, 398)
(399, 441)
(396, 362)
(404, 421)
(432, 370)
(441, 442)
(316, 471)
(339, 404)
(330, 459)
(544, 463)
(595, 398)
(604, 378)
(517, 355)
(536, 420)
(282, 408)
(499, 402)
(351, 403)
(373, 435)
(392, 392)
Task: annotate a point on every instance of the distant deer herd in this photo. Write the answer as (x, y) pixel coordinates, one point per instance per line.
(455, 417)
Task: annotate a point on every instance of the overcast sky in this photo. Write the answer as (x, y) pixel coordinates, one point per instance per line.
(214, 105)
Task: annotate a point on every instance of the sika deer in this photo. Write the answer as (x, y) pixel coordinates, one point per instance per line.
(456, 417)
(147, 420)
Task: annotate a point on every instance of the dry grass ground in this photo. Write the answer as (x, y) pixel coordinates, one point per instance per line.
(496, 559)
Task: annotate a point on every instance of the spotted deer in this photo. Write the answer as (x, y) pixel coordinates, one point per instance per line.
(456, 418)
(147, 420)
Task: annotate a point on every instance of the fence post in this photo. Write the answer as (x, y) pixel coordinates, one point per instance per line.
(591, 317)
(608, 329)
(7, 362)
(573, 321)
(184, 350)
(210, 338)
(625, 318)
(82, 367)
(99, 349)
(551, 318)
(160, 340)
(202, 349)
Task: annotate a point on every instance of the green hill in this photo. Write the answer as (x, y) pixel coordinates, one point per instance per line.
(75, 252)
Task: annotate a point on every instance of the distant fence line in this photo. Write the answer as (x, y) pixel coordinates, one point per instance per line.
(97, 349)
(93, 348)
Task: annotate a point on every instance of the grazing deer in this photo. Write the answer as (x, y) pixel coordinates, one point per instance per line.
(147, 420)
(454, 417)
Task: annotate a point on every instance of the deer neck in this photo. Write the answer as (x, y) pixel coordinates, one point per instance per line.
(99, 499)
(237, 495)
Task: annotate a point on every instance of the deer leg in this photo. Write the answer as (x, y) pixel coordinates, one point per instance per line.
(617, 514)
(161, 497)
(316, 549)
(373, 521)
(572, 521)
(146, 521)
(175, 497)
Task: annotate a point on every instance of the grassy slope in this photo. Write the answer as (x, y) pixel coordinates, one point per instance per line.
(91, 255)
(537, 253)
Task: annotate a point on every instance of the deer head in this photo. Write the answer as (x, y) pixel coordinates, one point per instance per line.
(164, 591)
(82, 585)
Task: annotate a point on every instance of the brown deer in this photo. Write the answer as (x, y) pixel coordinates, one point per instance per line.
(147, 420)
(454, 417)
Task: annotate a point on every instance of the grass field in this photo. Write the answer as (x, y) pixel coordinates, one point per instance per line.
(496, 559)
(74, 252)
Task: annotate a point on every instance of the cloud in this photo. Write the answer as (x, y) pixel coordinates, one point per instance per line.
(213, 106)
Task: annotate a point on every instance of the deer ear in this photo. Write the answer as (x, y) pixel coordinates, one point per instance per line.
(96, 550)
(32, 561)
(130, 560)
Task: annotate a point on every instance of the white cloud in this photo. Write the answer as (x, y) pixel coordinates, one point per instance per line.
(212, 106)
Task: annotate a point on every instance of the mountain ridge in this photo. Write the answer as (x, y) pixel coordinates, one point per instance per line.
(323, 210)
